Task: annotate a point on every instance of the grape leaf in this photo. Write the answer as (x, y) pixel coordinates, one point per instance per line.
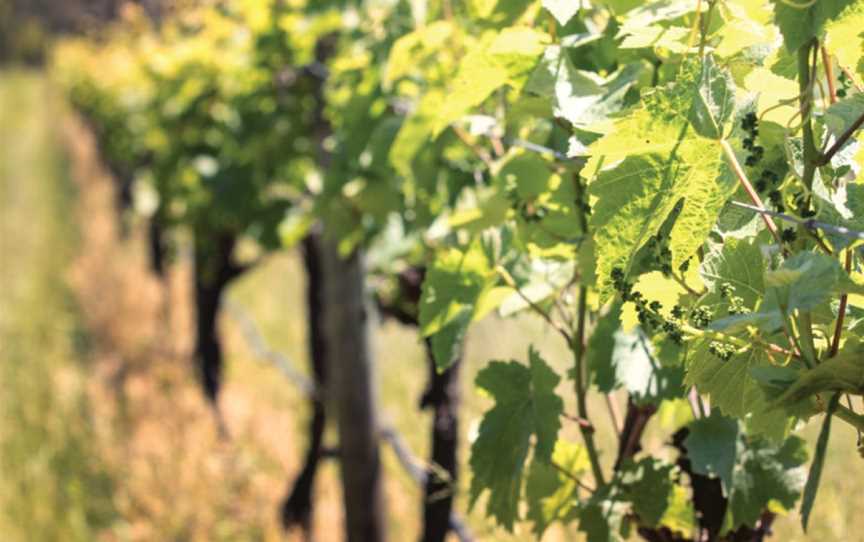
(801, 25)
(562, 10)
(601, 348)
(738, 263)
(812, 485)
(842, 373)
(649, 487)
(552, 495)
(808, 279)
(844, 36)
(712, 446)
(506, 57)
(841, 115)
(733, 389)
(602, 518)
(654, 161)
(583, 99)
(452, 293)
(525, 406)
(766, 474)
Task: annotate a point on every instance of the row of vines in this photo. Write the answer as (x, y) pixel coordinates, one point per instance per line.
(673, 187)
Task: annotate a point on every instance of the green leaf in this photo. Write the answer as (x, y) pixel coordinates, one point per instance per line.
(552, 495)
(562, 10)
(800, 26)
(712, 446)
(766, 474)
(651, 164)
(602, 518)
(451, 296)
(807, 280)
(841, 115)
(506, 57)
(738, 263)
(812, 485)
(732, 388)
(841, 205)
(638, 371)
(649, 487)
(655, 12)
(415, 132)
(842, 373)
(715, 100)
(601, 348)
(526, 406)
(844, 36)
(582, 98)
(673, 38)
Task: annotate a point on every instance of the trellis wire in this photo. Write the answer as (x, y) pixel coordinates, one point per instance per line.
(259, 347)
(808, 223)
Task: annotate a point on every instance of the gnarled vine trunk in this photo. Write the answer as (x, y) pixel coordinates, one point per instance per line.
(214, 270)
(352, 393)
(442, 396)
(298, 505)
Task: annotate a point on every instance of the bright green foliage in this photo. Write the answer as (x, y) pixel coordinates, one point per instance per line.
(653, 162)
(845, 38)
(552, 495)
(526, 406)
(812, 485)
(575, 160)
(765, 474)
(500, 58)
(712, 446)
(450, 300)
(562, 10)
(799, 25)
(842, 373)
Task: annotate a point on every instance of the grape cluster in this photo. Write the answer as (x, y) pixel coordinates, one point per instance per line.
(767, 179)
(700, 317)
(788, 235)
(736, 303)
(845, 84)
(756, 152)
(659, 255)
(648, 312)
(802, 202)
(721, 350)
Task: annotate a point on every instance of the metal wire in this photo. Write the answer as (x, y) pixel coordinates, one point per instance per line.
(259, 347)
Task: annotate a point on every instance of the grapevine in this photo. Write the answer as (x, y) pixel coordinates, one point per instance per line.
(589, 163)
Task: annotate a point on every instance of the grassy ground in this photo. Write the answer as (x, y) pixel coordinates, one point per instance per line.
(103, 433)
(52, 487)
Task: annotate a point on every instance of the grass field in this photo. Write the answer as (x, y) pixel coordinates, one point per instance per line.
(103, 434)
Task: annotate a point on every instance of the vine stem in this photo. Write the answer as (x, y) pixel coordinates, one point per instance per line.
(850, 417)
(751, 193)
(811, 159)
(805, 100)
(578, 347)
(829, 74)
(844, 137)
(511, 282)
